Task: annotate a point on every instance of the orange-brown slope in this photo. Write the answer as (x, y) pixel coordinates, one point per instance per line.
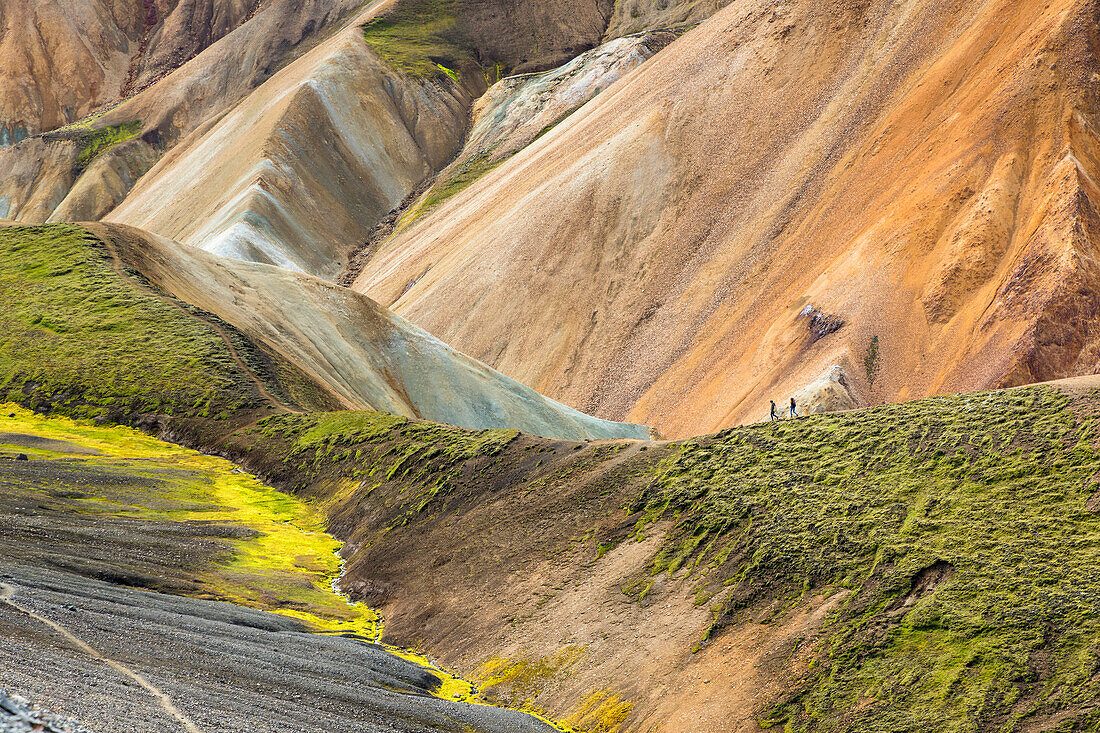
(922, 171)
(59, 61)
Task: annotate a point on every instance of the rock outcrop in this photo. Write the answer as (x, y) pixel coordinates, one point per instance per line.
(19, 715)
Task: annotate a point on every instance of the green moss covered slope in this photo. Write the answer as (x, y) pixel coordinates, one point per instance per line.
(82, 336)
(963, 529)
(422, 38)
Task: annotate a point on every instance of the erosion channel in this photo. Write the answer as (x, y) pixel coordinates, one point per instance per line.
(150, 587)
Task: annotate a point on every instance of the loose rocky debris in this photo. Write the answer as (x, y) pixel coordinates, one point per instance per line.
(19, 715)
(821, 324)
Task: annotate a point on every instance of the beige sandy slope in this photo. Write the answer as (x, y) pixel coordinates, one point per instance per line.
(518, 109)
(367, 356)
(231, 67)
(298, 172)
(922, 172)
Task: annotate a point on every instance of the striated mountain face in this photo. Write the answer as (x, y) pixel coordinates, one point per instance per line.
(513, 113)
(58, 61)
(37, 175)
(298, 172)
(358, 353)
(851, 202)
(178, 30)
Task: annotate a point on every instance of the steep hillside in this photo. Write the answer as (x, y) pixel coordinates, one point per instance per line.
(214, 344)
(497, 37)
(58, 61)
(298, 173)
(886, 200)
(918, 566)
(512, 114)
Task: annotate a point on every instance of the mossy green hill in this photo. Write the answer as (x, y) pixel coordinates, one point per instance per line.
(85, 336)
(963, 530)
(961, 534)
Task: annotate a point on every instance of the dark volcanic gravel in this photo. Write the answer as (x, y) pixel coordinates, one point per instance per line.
(225, 667)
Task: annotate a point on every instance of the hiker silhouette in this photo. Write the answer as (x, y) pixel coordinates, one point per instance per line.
(794, 412)
(775, 415)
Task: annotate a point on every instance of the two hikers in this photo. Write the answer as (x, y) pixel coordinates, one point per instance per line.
(775, 415)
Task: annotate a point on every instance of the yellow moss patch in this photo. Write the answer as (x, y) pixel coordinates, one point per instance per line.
(519, 682)
(601, 712)
(288, 564)
(453, 688)
(284, 562)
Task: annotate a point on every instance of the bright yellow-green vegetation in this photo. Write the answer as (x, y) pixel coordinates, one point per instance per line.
(284, 563)
(84, 124)
(353, 449)
(519, 681)
(963, 529)
(601, 712)
(451, 687)
(79, 339)
(94, 142)
(420, 37)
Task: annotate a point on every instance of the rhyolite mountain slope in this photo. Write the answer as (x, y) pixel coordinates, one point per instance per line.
(298, 172)
(683, 248)
(284, 134)
(362, 354)
(60, 61)
(519, 109)
(38, 173)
